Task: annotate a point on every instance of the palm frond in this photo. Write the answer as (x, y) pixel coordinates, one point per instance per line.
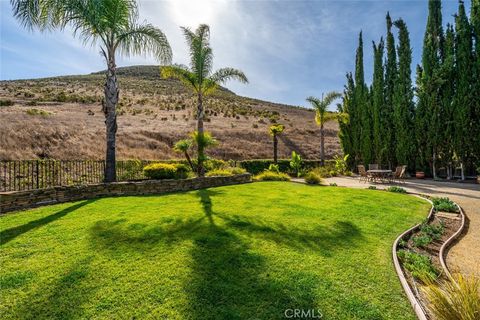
(201, 55)
(330, 97)
(315, 102)
(181, 73)
(44, 14)
(141, 39)
(224, 74)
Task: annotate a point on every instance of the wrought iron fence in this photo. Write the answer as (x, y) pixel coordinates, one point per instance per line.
(18, 175)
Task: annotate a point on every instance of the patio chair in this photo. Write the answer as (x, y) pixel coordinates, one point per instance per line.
(396, 174)
(401, 177)
(363, 173)
(373, 166)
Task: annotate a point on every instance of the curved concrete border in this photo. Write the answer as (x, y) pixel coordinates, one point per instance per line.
(416, 305)
(449, 242)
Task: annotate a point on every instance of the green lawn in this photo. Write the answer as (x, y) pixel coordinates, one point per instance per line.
(238, 252)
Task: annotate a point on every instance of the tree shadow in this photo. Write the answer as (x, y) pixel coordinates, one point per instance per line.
(10, 234)
(228, 279)
(65, 296)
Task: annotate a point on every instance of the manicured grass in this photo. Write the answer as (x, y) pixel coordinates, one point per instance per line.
(238, 252)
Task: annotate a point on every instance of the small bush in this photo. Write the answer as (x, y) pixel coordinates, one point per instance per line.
(418, 265)
(444, 204)
(333, 184)
(434, 231)
(6, 103)
(166, 171)
(312, 178)
(38, 112)
(272, 176)
(372, 187)
(322, 172)
(225, 172)
(396, 189)
(421, 240)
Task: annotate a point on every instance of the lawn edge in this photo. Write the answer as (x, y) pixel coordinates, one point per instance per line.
(416, 305)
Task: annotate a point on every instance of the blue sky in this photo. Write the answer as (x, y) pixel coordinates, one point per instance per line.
(288, 49)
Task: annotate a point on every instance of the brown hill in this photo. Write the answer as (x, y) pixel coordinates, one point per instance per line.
(61, 118)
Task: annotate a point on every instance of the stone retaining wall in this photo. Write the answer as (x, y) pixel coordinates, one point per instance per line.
(19, 200)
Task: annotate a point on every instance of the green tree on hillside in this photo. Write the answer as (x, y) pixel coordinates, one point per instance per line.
(201, 79)
(274, 131)
(322, 116)
(111, 23)
(403, 105)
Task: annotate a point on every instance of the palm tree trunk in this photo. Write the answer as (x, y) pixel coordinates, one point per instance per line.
(200, 145)
(322, 146)
(189, 160)
(109, 109)
(275, 146)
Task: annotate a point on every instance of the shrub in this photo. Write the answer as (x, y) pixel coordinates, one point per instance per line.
(6, 103)
(454, 300)
(257, 166)
(418, 265)
(166, 171)
(444, 204)
(225, 172)
(396, 189)
(312, 178)
(341, 164)
(322, 172)
(38, 112)
(372, 187)
(421, 240)
(272, 176)
(434, 231)
(333, 184)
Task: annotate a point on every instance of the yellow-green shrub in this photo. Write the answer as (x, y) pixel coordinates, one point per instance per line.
(313, 178)
(166, 171)
(272, 176)
(226, 172)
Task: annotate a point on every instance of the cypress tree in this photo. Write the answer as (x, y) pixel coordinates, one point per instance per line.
(391, 75)
(463, 99)
(346, 134)
(361, 111)
(378, 101)
(447, 150)
(475, 23)
(404, 107)
(429, 98)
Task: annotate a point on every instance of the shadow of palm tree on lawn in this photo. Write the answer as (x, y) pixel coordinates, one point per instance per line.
(228, 280)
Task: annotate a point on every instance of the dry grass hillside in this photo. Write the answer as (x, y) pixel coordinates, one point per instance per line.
(61, 118)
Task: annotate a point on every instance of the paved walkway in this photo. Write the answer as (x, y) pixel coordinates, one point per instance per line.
(464, 256)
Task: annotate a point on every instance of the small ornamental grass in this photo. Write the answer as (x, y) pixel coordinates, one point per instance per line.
(454, 300)
(166, 171)
(313, 178)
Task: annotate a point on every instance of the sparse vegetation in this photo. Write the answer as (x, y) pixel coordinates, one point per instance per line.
(6, 102)
(37, 112)
(418, 265)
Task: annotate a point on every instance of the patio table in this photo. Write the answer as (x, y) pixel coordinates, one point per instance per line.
(382, 175)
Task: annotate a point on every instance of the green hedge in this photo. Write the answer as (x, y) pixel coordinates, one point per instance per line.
(257, 166)
(166, 171)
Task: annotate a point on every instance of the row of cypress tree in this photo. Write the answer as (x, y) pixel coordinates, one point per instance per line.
(441, 126)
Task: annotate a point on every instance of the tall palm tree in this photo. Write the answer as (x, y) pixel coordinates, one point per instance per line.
(201, 79)
(111, 23)
(322, 116)
(274, 131)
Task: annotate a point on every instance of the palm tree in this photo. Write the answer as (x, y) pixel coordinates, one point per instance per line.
(201, 79)
(322, 116)
(274, 131)
(183, 146)
(111, 23)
